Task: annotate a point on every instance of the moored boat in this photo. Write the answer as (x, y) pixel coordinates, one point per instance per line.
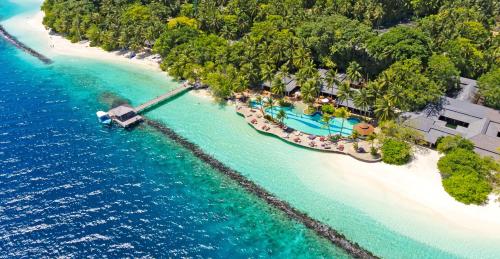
(103, 117)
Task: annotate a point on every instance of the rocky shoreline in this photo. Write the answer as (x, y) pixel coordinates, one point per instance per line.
(321, 229)
(14, 41)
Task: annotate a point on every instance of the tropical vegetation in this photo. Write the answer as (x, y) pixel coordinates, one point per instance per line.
(404, 54)
(466, 176)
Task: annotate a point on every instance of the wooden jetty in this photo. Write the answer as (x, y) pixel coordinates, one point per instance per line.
(14, 41)
(127, 116)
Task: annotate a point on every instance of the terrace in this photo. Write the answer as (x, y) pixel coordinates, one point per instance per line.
(257, 120)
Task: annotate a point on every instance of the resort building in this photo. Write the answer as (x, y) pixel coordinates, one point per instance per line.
(125, 116)
(290, 83)
(468, 90)
(459, 116)
(333, 92)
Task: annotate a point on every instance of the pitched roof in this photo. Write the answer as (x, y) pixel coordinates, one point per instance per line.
(482, 129)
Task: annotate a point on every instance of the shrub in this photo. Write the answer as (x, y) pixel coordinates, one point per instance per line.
(396, 152)
(328, 109)
(450, 143)
(284, 103)
(460, 160)
(335, 138)
(468, 187)
(373, 151)
(465, 176)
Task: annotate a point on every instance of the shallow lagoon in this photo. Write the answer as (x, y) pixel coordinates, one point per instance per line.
(388, 229)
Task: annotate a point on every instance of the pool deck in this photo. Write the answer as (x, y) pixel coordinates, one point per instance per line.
(255, 118)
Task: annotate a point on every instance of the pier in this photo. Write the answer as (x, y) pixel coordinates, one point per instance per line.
(14, 41)
(127, 116)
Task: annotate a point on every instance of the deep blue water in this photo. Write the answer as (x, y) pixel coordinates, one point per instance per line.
(69, 187)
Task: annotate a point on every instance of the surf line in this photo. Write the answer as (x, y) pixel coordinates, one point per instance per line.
(321, 229)
(14, 41)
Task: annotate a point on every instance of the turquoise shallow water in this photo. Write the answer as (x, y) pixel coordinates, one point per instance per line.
(294, 174)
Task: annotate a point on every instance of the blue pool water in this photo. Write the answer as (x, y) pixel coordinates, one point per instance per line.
(313, 125)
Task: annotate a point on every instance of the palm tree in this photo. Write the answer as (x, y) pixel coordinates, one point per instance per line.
(361, 100)
(397, 95)
(250, 104)
(384, 108)
(281, 116)
(354, 72)
(309, 91)
(371, 138)
(270, 104)
(267, 71)
(326, 119)
(278, 87)
(344, 114)
(344, 93)
(261, 104)
(331, 78)
(300, 57)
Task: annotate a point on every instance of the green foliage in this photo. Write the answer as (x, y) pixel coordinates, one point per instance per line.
(489, 88)
(406, 87)
(335, 36)
(328, 109)
(444, 73)
(465, 176)
(396, 152)
(391, 129)
(256, 38)
(467, 187)
(174, 37)
(449, 143)
(400, 43)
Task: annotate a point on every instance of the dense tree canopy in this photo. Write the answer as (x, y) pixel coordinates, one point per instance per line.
(409, 64)
(489, 88)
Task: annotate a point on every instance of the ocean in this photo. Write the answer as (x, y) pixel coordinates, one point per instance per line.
(70, 187)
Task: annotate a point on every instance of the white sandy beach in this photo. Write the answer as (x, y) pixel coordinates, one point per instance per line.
(416, 186)
(58, 45)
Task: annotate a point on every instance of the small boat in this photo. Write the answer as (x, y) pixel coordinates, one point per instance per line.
(103, 117)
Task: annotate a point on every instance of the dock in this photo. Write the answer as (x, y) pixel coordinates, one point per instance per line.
(14, 41)
(127, 116)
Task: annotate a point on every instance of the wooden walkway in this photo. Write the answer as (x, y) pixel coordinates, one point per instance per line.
(162, 98)
(127, 116)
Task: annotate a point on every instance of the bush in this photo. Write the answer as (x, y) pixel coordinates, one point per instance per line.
(335, 138)
(460, 160)
(396, 152)
(328, 109)
(465, 176)
(450, 143)
(284, 103)
(468, 187)
(373, 151)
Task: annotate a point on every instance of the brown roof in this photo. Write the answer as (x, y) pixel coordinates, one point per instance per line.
(364, 129)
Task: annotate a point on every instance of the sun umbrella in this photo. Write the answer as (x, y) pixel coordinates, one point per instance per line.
(364, 129)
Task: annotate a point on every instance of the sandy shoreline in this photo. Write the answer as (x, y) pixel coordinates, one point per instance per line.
(56, 45)
(414, 187)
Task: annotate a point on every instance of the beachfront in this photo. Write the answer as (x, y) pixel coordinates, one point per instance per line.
(401, 185)
(257, 120)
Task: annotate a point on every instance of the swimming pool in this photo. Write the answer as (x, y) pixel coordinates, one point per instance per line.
(312, 124)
